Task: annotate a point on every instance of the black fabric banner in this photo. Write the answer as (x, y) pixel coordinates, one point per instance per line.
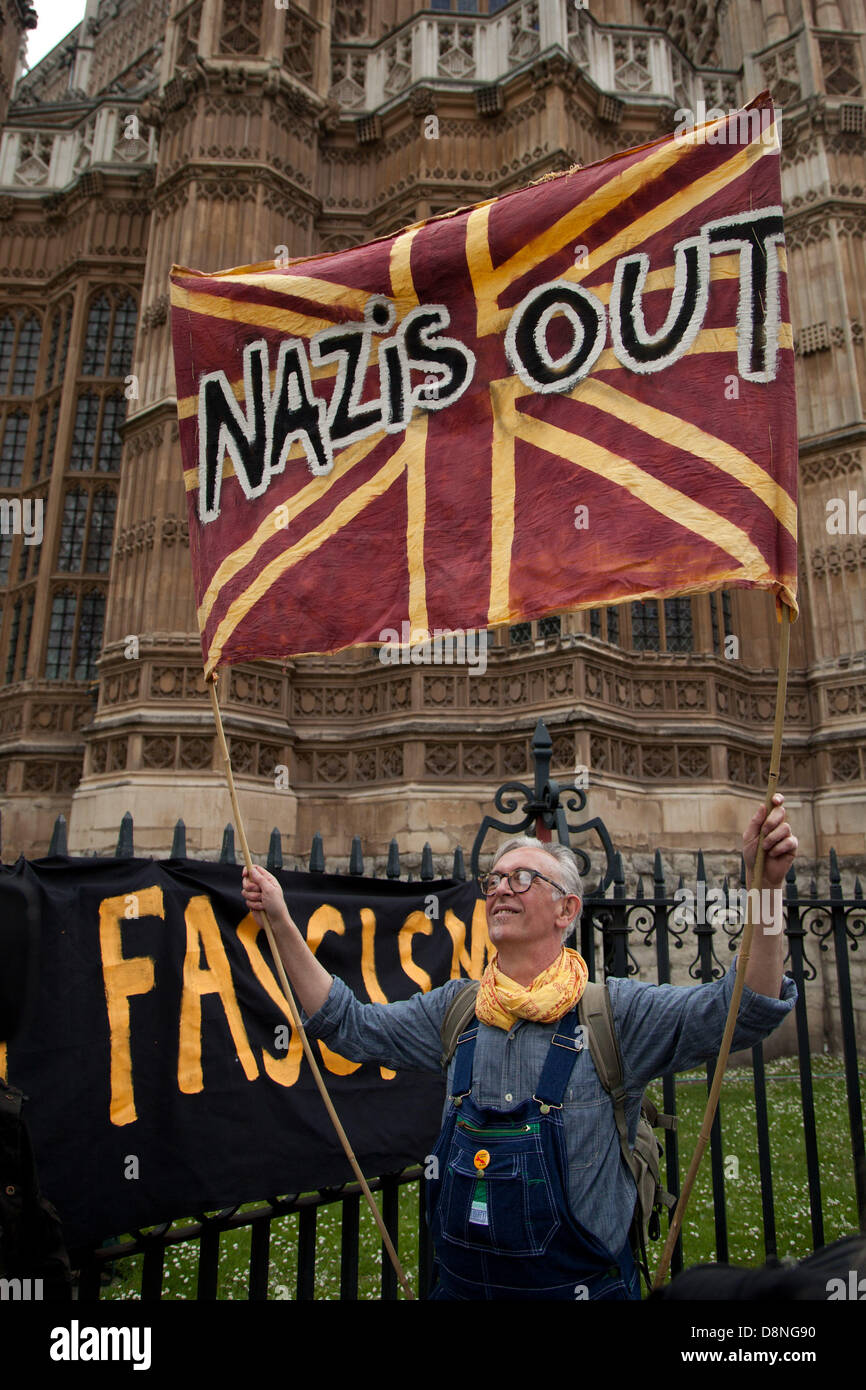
(164, 1078)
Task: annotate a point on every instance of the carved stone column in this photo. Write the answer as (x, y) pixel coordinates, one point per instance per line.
(237, 116)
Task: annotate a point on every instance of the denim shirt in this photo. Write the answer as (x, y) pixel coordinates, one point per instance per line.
(660, 1028)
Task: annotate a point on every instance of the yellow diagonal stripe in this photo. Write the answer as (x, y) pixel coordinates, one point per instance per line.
(685, 511)
(684, 435)
(305, 286)
(280, 518)
(278, 318)
(341, 516)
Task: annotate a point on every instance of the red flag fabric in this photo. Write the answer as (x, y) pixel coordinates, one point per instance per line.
(572, 395)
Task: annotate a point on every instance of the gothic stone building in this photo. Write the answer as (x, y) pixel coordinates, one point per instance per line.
(211, 134)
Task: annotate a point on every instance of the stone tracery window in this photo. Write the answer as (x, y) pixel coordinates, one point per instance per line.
(20, 340)
(456, 50)
(72, 529)
(299, 44)
(13, 446)
(60, 635)
(241, 27)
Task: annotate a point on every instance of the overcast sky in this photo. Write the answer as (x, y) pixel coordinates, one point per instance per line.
(56, 18)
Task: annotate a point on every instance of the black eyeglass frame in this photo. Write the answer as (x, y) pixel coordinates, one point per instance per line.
(484, 881)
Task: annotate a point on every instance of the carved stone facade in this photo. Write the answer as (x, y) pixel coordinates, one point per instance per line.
(212, 134)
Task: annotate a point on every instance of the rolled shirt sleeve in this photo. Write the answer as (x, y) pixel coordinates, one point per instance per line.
(664, 1028)
(403, 1034)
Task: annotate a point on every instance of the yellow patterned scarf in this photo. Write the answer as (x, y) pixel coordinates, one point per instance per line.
(501, 1001)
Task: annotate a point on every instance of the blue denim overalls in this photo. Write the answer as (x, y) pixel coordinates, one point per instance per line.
(503, 1227)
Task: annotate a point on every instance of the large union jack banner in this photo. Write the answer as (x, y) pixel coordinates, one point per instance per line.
(571, 395)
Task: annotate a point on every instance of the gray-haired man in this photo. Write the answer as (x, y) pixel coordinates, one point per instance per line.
(534, 1200)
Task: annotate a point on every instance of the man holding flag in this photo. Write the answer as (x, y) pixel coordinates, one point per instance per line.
(400, 437)
(529, 1197)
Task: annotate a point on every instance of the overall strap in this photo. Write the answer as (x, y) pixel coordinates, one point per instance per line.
(565, 1044)
(463, 1058)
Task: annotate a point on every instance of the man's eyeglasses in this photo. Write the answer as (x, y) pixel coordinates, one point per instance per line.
(519, 881)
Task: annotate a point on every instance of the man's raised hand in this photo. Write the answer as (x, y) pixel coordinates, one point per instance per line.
(262, 893)
(780, 845)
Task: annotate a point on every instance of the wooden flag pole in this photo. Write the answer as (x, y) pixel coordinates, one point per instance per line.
(742, 963)
(293, 1011)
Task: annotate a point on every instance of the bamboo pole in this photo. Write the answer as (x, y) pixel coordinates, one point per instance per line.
(742, 963)
(293, 1010)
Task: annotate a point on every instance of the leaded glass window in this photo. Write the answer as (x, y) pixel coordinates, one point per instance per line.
(613, 626)
(26, 357)
(96, 337)
(519, 634)
(645, 626)
(13, 448)
(595, 622)
(110, 442)
(100, 532)
(678, 625)
(5, 557)
(550, 626)
(72, 530)
(84, 432)
(60, 636)
(89, 635)
(123, 337)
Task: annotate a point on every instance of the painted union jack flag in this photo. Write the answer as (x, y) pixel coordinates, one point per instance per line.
(576, 394)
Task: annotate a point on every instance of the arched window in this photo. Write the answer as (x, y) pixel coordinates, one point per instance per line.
(89, 635)
(123, 337)
(61, 633)
(7, 343)
(13, 448)
(110, 335)
(72, 529)
(100, 532)
(26, 356)
(96, 337)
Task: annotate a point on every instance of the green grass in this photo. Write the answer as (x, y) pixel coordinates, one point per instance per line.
(743, 1195)
(788, 1160)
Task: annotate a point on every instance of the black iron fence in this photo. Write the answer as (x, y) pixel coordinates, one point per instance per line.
(619, 935)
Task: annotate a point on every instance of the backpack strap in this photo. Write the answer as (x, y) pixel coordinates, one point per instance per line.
(457, 1019)
(596, 1013)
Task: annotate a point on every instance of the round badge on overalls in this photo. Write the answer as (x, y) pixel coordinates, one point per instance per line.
(481, 1160)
